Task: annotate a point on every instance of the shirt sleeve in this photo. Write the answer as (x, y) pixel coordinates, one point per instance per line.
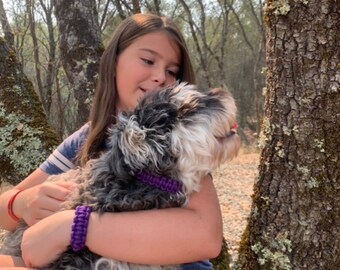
(62, 158)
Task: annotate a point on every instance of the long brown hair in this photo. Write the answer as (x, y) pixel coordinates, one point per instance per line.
(103, 111)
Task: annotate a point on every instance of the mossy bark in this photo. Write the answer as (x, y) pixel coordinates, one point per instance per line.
(26, 138)
(80, 47)
(222, 261)
(295, 216)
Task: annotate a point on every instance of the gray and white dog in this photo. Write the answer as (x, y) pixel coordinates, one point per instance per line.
(177, 134)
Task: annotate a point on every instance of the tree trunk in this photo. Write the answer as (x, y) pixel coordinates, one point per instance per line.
(9, 37)
(136, 7)
(198, 36)
(81, 48)
(51, 71)
(37, 64)
(295, 217)
(26, 138)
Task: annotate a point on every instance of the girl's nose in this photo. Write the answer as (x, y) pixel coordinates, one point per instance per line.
(159, 77)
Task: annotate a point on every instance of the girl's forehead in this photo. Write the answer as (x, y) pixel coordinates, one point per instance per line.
(160, 43)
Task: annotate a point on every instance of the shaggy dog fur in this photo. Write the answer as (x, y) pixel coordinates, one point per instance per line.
(177, 132)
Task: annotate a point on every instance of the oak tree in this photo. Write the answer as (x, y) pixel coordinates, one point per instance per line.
(295, 217)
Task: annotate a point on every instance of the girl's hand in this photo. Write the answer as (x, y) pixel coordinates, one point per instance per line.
(43, 242)
(38, 202)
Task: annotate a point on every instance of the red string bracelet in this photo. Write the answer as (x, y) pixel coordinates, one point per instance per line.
(10, 206)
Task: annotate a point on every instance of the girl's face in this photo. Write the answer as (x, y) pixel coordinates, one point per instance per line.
(151, 62)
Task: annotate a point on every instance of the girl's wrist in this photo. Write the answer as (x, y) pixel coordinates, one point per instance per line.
(14, 205)
(65, 219)
(79, 227)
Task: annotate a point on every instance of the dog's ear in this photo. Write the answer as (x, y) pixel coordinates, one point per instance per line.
(156, 114)
(131, 140)
(144, 134)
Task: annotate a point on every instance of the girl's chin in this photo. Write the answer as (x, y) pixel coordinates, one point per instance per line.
(140, 93)
(131, 105)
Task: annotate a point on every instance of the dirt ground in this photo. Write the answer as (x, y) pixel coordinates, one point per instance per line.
(234, 184)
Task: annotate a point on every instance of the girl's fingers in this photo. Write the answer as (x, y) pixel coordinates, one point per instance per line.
(44, 200)
(49, 208)
(67, 185)
(57, 191)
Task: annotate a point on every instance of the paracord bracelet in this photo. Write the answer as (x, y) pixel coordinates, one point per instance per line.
(79, 227)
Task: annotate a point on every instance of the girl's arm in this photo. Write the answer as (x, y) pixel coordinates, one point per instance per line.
(166, 236)
(40, 199)
(11, 262)
(37, 200)
(35, 178)
(169, 236)
(17, 268)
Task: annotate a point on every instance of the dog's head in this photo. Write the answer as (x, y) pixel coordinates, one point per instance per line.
(179, 132)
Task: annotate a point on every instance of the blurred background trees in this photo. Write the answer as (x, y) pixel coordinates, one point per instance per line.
(225, 38)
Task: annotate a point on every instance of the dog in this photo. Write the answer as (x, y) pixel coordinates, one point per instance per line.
(177, 134)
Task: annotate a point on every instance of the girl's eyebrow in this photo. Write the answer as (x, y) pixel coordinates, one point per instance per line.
(157, 54)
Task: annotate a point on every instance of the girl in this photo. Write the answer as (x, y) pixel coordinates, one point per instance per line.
(146, 53)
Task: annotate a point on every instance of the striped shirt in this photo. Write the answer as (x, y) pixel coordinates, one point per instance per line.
(62, 159)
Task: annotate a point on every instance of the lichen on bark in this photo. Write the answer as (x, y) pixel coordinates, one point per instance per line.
(26, 136)
(80, 49)
(295, 212)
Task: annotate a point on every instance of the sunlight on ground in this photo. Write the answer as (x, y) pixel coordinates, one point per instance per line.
(234, 183)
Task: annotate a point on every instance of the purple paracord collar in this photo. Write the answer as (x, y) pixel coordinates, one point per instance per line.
(161, 182)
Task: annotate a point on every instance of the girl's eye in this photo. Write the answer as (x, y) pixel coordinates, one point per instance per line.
(147, 61)
(172, 73)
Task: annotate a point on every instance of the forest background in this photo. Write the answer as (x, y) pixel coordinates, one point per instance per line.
(225, 39)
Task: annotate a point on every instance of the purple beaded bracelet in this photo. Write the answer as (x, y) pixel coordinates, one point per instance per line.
(79, 227)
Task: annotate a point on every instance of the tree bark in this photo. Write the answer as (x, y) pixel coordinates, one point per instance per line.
(295, 217)
(9, 37)
(135, 7)
(51, 71)
(197, 32)
(26, 138)
(37, 64)
(80, 48)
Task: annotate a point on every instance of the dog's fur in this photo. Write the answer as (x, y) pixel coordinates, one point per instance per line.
(176, 132)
